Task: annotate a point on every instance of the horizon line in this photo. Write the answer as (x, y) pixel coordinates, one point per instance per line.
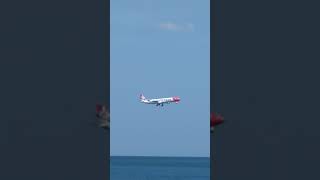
(160, 156)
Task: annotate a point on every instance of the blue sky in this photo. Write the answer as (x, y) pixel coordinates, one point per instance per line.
(161, 49)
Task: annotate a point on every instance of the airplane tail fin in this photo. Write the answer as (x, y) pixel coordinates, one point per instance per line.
(142, 97)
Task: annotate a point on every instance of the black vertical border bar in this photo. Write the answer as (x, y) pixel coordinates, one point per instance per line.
(215, 76)
(212, 86)
(107, 45)
(107, 24)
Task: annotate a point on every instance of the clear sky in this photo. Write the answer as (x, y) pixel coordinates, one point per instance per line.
(160, 48)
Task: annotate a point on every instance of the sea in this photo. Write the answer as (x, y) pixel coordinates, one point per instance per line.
(159, 168)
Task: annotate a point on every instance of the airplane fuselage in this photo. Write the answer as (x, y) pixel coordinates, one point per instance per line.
(159, 101)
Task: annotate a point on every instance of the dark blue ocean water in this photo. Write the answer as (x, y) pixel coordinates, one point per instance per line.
(159, 168)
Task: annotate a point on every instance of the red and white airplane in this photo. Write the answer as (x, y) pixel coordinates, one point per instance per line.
(159, 101)
(215, 120)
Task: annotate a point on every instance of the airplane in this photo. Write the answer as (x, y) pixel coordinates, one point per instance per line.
(103, 116)
(159, 101)
(215, 120)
